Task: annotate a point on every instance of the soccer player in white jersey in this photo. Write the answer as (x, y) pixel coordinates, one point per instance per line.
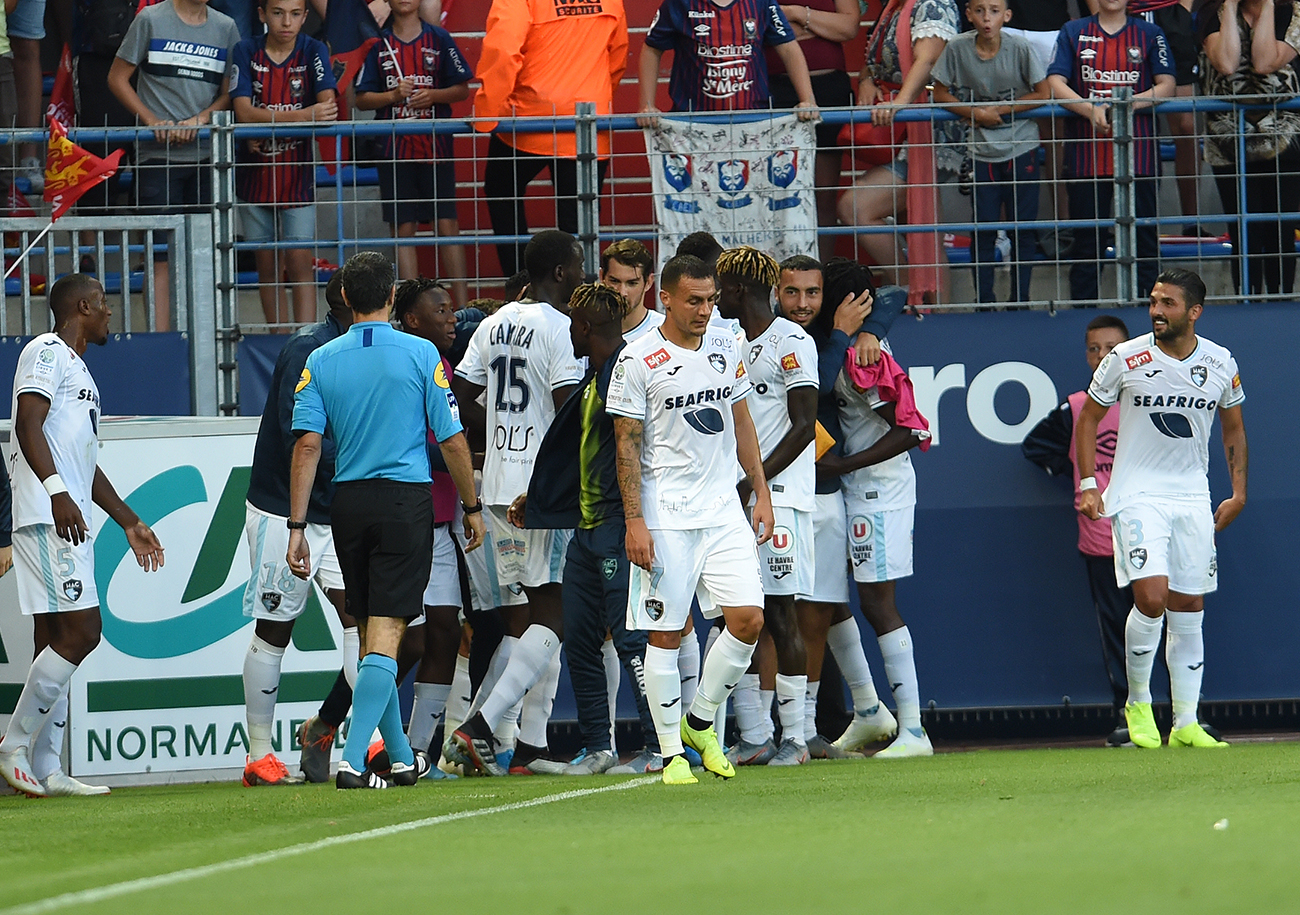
(781, 362)
(521, 361)
(680, 422)
(55, 479)
(625, 267)
(1169, 385)
(879, 485)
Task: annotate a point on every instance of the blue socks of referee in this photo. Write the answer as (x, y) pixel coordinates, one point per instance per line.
(374, 704)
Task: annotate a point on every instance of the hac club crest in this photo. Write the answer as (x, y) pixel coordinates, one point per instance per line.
(72, 589)
(1199, 375)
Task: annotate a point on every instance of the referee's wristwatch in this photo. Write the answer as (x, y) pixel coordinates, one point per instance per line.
(472, 509)
(296, 525)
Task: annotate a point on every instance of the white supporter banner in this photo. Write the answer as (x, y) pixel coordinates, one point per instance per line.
(161, 698)
(748, 182)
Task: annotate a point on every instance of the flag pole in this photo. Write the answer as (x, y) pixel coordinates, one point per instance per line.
(19, 259)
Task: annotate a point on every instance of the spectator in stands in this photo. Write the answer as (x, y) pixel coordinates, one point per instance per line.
(98, 27)
(821, 28)
(26, 29)
(415, 71)
(988, 78)
(900, 52)
(537, 63)
(1050, 445)
(1095, 56)
(713, 72)
(8, 110)
(1249, 50)
(1176, 20)
(282, 76)
(176, 91)
(1039, 22)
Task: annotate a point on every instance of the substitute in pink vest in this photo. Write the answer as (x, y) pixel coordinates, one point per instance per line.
(1051, 445)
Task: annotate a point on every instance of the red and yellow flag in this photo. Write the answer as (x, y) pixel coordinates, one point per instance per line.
(63, 101)
(70, 171)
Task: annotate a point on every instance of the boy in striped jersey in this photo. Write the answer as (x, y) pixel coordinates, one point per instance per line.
(1094, 57)
(277, 77)
(416, 70)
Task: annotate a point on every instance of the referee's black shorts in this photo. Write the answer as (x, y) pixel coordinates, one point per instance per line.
(383, 535)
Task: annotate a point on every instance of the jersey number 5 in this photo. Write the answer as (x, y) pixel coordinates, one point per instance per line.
(509, 371)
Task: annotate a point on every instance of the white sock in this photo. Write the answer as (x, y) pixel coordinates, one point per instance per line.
(613, 676)
(538, 702)
(688, 666)
(810, 710)
(47, 744)
(725, 666)
(765, 699)
(900, 668)
(844, 639)
(507, 730)
(790, 706)
(261, 684)
(459, 699)
(527, 663)
(720, 719)
(47, 678)
(500, 658)
(747, 706)
(430, 701)
(351, 656)
(1185, 655)
(663, 692)
(1141, 639)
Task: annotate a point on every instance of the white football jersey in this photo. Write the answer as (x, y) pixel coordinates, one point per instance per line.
(688, 447)
(1166, 413)
(519, 355)
(49, 367)
(779, 360)
(650, 322)
(886, 486)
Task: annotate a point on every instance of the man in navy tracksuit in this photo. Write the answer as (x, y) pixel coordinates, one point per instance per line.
(584, 494)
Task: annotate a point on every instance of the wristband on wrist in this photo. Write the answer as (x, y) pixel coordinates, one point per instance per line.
(472, 509)
(296, 525)
(1087, 483)
(54, 484)
(807, 18)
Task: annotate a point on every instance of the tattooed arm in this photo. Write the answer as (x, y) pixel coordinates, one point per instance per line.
(1234, 447)
(627, 442)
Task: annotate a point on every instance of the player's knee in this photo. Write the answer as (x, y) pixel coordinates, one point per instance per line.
(1185, 603)
(78, 638)
(275, 632)
(746, 623)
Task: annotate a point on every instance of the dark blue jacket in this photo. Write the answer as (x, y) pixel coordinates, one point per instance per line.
(268, 483)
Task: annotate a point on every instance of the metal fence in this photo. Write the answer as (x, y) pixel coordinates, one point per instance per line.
(247, 286)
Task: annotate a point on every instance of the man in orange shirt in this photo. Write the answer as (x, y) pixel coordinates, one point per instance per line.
(539, 59)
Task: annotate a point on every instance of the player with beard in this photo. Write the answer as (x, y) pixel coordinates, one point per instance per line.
(1169, 385)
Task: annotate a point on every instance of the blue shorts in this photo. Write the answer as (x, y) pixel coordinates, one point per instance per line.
(28, 20)
(295, 223)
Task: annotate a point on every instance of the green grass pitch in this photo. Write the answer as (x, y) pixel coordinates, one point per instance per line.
(1029, 831)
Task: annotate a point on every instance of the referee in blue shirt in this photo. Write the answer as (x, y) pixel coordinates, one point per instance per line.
(378, 392)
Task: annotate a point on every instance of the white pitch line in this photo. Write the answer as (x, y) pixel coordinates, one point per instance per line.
(114, 890)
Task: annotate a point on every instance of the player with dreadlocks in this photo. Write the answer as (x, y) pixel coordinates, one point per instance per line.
(781, 361)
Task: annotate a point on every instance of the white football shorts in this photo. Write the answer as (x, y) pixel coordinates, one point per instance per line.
(486, 591)
(880, 543)
(273, 592)
(1173, 538)
(443, 589)
(717, 564)
(523, 556)
(53, 575)
(786, 560)
(830, 544)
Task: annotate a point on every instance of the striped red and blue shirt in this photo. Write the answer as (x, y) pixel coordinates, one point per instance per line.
(718, 62)
(279, 171)
(432, 60)
(1096, 63)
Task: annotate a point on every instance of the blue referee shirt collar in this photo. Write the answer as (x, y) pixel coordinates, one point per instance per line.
(361, 324)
